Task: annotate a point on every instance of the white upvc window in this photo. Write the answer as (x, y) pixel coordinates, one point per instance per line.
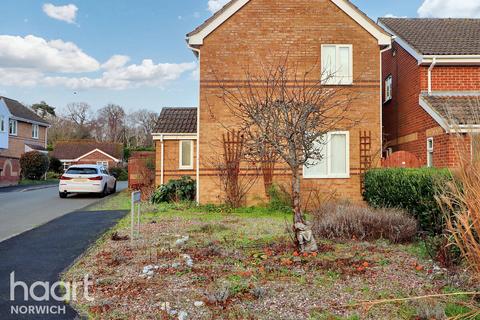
(103, 163)
(430, 152)
(2, 123)
(35, 131)
(388, 88)
(335, 157)
(12, 127)
(337, 64)
(186, 154)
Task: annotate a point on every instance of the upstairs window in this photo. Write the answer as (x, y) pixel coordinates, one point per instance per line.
(35, 130)
(186, 154)
(335, 158)
(388, 88)
(337, 64)
(12, 127)
(2, 124)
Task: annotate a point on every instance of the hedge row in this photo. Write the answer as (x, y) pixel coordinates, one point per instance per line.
(411, 189)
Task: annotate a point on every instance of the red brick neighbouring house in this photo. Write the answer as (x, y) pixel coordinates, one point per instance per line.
(247, 34)
(72, 152)
(431, 86)
(21, 130)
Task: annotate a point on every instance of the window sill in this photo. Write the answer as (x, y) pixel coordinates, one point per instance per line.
(185, 168)
(338, 176)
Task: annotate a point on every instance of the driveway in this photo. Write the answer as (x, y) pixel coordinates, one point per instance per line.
(42, 254)
(22, 209)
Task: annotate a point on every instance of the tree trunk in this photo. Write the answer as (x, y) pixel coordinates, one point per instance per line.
(304, 238)
(297, 209)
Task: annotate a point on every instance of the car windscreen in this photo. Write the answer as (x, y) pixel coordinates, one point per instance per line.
(82, 171)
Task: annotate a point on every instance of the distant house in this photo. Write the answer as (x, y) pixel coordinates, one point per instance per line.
(71, 152)
(431, 85)
(21, 130)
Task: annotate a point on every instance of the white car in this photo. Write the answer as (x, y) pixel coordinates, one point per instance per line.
(87, 179)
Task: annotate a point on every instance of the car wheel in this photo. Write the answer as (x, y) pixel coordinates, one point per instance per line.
(63, 195)
(114, 189)
(104, 193)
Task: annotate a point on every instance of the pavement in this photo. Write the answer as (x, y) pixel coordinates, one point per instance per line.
(25, 207)
(42, 254)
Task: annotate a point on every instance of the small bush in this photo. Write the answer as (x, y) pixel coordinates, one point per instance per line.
(120, 173)
(53, 175)
(55, 165)
(347, 221)
(414, 190)
(280, 199)
(34, 165)
(175, 190)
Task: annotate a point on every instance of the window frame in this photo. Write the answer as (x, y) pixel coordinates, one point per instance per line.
(37, 131)
(388, 84)
(2, 123)
(330, 175)
(103, 164)
(10, 132)
(337, 81)
(180, 162)
(430, 150)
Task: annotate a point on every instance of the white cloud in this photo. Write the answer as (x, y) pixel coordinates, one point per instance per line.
(66, 13)
(215, 5)
(449, 9)
(34, 61)
(50, 56)
(391, 15)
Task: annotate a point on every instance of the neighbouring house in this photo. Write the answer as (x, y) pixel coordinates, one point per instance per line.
(71, 152)
(431, 85)
(247, 34)
(21, 130)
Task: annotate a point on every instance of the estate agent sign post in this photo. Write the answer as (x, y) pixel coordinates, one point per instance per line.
(136, 197)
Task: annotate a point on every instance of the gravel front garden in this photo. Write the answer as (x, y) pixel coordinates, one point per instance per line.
(202, 263)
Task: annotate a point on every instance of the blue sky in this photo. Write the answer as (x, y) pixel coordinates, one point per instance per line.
(131, 53)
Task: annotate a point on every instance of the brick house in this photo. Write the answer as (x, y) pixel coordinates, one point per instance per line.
(71, 152)
(431, 85)
(249, 33)
(21, 130)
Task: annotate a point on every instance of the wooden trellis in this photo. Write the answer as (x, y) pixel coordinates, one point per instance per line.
(268, 168)
(365, 156)
(233, 143)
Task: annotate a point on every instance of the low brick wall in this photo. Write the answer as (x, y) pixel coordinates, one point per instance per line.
(141, 169)
(9, 171)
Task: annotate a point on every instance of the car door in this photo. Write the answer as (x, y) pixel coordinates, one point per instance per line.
(108, 178)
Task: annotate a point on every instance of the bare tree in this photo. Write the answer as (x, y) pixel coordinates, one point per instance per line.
(112, 120)
(288, 111)
(145, 122)
(80, 115)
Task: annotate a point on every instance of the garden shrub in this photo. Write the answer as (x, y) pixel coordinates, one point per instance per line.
(175, 190)
(55, 165)
(414, 190)
(120, 173)
(279, 198)
(34, 165)
(53, 175)
(347, 221)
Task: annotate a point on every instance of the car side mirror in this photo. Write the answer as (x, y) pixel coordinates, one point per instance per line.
(114, 174)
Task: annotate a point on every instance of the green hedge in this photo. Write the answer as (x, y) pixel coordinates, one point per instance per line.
(175, 190)
(411, 189)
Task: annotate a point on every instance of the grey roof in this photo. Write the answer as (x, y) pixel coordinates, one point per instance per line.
(456, 109)
(437, 36)
(36, 147)
(177, 120)
(19, 110)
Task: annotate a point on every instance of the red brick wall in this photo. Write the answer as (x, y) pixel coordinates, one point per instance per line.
(10, 171)
(452, 78)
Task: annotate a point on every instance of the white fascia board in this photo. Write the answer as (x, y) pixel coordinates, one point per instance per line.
(383, 39)
(174, 136)
(197, 39)
(439, 119)
(402, 43)
(452, 59)
(43, 124)
(102, 152)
